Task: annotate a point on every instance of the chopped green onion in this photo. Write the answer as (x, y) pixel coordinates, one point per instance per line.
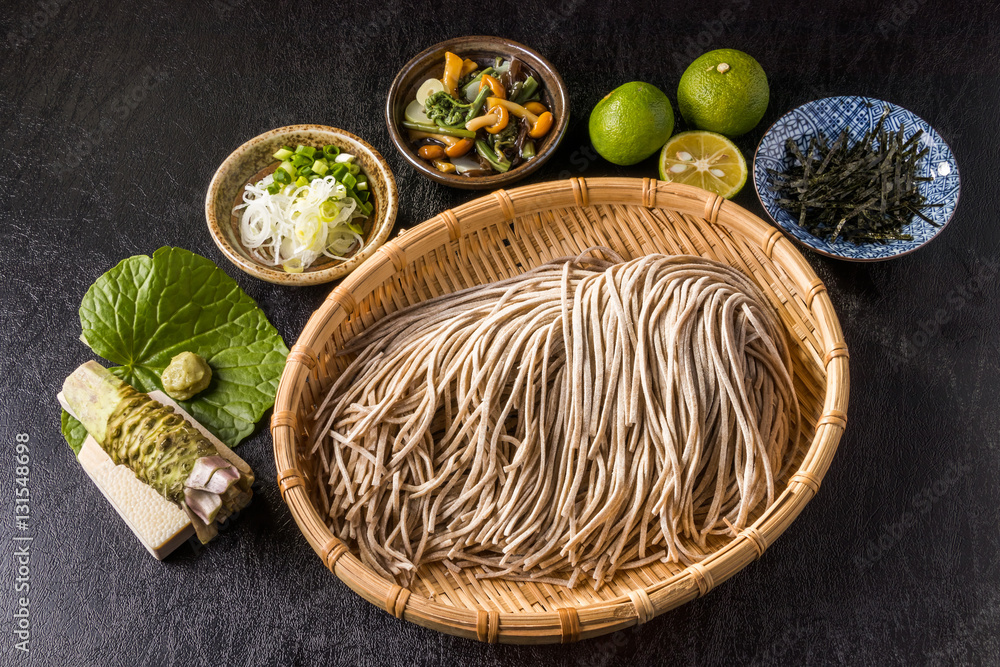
(293, 265)
(307, 217)
(282, 154)
(300, 167)
(433, 128)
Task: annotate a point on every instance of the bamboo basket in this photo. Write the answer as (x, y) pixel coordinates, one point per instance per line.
(505, 233)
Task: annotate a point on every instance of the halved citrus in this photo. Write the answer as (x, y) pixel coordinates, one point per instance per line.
(704, 159)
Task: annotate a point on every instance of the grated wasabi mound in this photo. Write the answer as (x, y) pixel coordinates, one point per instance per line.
(186, 375)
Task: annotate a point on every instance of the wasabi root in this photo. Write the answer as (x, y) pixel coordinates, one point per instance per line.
(159, 446)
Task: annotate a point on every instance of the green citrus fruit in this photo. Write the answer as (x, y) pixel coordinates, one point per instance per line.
(704, 159)
(723, 91)
(631, 123)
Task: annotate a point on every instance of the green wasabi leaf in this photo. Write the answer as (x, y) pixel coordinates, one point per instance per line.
(73, 431)
(146, 310)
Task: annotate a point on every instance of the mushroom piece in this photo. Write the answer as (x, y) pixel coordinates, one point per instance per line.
(538, 126)
(459, 148)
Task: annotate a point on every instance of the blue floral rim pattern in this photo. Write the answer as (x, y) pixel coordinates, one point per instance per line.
(859, 115)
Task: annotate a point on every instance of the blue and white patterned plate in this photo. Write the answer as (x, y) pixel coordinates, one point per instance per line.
(859, 114)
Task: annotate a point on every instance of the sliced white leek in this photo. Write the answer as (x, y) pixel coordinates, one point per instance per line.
(295, 227)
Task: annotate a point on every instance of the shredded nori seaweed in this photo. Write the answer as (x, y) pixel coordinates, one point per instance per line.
(862, 193)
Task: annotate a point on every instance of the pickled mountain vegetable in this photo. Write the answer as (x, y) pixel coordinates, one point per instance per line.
(478, 119)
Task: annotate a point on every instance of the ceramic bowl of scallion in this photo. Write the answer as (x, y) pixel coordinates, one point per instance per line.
(856, 178)
(301, 205)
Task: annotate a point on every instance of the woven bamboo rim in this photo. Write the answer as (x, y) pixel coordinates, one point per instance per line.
(507, 232)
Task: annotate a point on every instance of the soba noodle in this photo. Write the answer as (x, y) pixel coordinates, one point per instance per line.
(587, 416)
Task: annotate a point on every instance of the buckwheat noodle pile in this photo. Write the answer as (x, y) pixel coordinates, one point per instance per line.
(584, 417)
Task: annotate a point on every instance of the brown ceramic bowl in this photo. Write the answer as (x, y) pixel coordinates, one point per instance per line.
(253, 158)
(428, 65)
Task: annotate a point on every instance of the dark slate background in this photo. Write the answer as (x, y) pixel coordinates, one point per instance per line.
(113, 117)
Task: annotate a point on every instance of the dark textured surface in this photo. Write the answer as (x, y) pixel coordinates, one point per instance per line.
(113, 117)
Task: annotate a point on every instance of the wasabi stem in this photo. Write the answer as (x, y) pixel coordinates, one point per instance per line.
(155, 442)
